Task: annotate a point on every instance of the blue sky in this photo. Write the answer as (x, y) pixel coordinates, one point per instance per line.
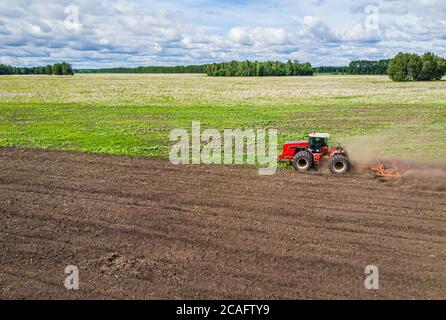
(106, 33)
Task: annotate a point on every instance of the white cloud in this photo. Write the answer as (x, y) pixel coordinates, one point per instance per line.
(240, 36)
(318, 3)
(276, 36)
(362, 33)
(317, 29)
(258, 36)
(125, 32)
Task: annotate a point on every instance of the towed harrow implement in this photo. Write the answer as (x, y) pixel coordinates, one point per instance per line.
(383, 170)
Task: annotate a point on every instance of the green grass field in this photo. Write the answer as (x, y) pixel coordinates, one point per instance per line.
(133, 114)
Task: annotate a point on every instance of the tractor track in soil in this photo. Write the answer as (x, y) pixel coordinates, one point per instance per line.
(143, 228)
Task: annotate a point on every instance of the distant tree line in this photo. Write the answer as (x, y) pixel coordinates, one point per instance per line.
(412, 67)
(403, 67)
(357, 67)
(229, 69)
(331, 69)
(149, 69)
(368, 67)
(361, 67)
(259, 69)
(62, 68)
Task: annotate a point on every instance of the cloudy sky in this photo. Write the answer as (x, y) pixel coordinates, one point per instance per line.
(105, 33)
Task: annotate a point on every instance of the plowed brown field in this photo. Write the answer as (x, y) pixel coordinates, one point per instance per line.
(143, 228)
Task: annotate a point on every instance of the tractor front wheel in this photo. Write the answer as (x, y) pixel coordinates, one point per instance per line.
(302, 161)
(339, 164)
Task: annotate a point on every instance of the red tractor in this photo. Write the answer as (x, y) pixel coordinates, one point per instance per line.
(305, 155)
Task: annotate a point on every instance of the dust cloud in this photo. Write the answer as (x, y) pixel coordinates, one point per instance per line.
(415, 173)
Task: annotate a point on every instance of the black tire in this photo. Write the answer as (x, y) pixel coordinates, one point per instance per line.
(339, 164)
(302, 161)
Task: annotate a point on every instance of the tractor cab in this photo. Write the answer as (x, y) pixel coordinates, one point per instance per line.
(318, 142)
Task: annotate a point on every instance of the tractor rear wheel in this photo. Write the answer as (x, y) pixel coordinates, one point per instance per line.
(302, 161)
(339, 164)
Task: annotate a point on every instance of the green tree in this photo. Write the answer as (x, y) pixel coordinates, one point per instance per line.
(433, 67)
(398, 67)
(411, 67)
(57, 69)
(267, 68)
(414, 65)
(66, 68)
